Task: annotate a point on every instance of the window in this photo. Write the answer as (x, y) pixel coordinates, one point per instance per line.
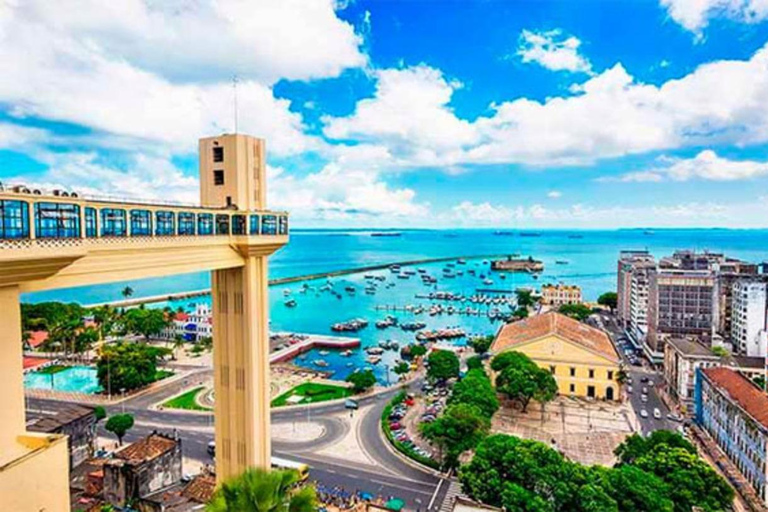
(591, 373)
(57, 220)
(610, 375)
(573, 388)
(218, 177)
(573, 371)
(253, 229)
(552, 369)
(222, 224)
(283, 225)
(204, 224)
(113, 222)
(15, 220)
(141, 223)
(90, 222)
(269, 225)
(165, 223)
(186, 223)
(238, 224)
(218, 154)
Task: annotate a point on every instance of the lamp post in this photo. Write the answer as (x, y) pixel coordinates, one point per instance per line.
(122, 393)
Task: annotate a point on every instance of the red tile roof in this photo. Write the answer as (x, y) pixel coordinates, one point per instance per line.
(742, 391)
(181, 317)
(34, 362)
(539, 326)
(146, 449)
(37, 338)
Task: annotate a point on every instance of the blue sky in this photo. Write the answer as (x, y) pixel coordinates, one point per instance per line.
(587, 114)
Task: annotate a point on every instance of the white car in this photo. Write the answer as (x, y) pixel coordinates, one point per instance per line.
(657, 413)
(644, 413)
(644, 398)
(629, 389)
(650, 383)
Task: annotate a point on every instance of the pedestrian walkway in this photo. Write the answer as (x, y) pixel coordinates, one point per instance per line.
(454, 490)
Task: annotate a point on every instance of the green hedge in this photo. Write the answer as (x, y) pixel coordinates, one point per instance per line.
(405, 450)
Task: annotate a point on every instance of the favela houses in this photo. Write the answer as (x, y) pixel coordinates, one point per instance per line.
(373, 256)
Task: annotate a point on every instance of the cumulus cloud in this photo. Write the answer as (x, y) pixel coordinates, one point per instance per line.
(554, 194)
(706, 165)
(694, 15)
(553, 50)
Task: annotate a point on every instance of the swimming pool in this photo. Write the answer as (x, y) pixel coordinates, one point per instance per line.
(75, 379)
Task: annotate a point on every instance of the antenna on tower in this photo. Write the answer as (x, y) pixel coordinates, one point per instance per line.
(235, 81)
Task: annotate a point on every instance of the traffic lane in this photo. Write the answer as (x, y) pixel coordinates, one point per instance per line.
(650, 423)
(329, 472)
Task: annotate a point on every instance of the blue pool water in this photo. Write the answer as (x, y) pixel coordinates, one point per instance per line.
(78, 379)
(590, 256)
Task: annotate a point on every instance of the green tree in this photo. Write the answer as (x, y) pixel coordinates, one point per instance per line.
(178, 342)
(43, 316)
(206, 342)
(522, 380)
(119, 424)
(126, 366)
(99, 413)
(147, 322)
(257, 490)
(520, 313)
(476, 389)
(85, 338)
(691, 481)
(443, 365)
(637, 446)
(457, 430)
(579, 312)
(106, 319)
(361, 381)
(474, 363)
(525, 298)
(720, 351)
(418, 350)
(481, 344)
(634, 490)
(402, 368)
(609, 300)
(126, 292)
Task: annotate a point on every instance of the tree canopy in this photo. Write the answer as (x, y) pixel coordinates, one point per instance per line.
(361, 381)
(147, 322)
(579, 312)
(126, 366)
(476, 389)
(119, 424)
(474, 363)
(609, 300)
(525, 298)
(457, 430)
(481, 344)
(257, 490)
(443, 365)
(522, 380)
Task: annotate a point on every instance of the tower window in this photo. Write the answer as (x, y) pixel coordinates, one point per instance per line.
(218, 154)
(218, 177)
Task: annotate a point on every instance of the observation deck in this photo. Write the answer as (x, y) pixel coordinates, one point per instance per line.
(55, 241)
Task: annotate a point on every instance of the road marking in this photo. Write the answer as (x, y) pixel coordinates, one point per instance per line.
(434, 495)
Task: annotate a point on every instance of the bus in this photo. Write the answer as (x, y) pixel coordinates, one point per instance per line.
(301, 468)
(276, 462)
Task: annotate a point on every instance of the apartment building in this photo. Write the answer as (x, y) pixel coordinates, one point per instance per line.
(632, 292)
(556, 295)
(748, 323)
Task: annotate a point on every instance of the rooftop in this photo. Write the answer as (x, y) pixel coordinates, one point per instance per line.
(742, 391)
(691, 347)
(149, 448)
(51, 420)
(565, 327)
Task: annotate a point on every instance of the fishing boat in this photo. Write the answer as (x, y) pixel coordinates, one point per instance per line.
(394, 268)
(350, 289)
(373, 359)
(290, 303)
(322, 363)
(323, 352)
(461, 261)
(347, 353)
(487, 282)
(374, 351)
(286, 291)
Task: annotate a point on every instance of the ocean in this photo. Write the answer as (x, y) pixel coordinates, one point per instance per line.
(587, 258)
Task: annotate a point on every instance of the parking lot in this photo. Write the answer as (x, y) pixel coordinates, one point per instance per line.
(405, 419)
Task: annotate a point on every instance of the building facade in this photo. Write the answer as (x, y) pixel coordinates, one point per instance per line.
(632, 293)
(192, 326)
(735, 414)
(682, 358)
(748, 317)
(582, 359)
(680, 303)
(557, 295)
(77, 422)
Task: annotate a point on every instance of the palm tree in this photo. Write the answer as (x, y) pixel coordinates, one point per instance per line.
(178, 342)
(258, 490)
(127, 292)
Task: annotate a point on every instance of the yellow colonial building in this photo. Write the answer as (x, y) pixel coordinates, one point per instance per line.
(582, 359)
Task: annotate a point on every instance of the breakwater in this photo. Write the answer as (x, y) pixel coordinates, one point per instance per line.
(137, 301)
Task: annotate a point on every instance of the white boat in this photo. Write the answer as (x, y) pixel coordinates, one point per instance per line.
(323, 352)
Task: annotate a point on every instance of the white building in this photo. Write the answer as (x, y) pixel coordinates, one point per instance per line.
(191, 326)
(748, 318)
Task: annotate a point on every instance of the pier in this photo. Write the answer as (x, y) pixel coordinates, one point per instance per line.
(309, 342)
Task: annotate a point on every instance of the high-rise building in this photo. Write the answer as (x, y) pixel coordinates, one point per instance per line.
(680, 303)
(626, 266)
(632, 292)
(748, 324)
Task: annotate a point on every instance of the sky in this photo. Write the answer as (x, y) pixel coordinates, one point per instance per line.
(404, 114)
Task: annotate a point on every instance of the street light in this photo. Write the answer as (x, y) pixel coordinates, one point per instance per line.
(122, 392)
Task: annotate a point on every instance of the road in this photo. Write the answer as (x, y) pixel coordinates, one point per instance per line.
(637, 373)
(389, 476)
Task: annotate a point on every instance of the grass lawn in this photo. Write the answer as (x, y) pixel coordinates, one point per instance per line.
(186, 401)
(162, 374)
(312, 393)
(52, 369)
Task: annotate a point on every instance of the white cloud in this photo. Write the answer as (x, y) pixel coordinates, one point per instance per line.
(694, 15)
(609, 115)
(706, 166)
(554, 194)
(553, 50)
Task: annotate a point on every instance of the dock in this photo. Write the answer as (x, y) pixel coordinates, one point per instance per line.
(309, 342)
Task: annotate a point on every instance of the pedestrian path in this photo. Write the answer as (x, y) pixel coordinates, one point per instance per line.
(454, 490)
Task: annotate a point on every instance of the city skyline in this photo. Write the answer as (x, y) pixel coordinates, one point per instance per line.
(395, 114)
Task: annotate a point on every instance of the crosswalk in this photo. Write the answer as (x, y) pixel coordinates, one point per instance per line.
(454, 490)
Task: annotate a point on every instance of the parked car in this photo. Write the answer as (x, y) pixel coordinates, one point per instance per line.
(629, 389)
(644, 398)
(351, 404)
(674, 417)
(644, 413)
(657, 413)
